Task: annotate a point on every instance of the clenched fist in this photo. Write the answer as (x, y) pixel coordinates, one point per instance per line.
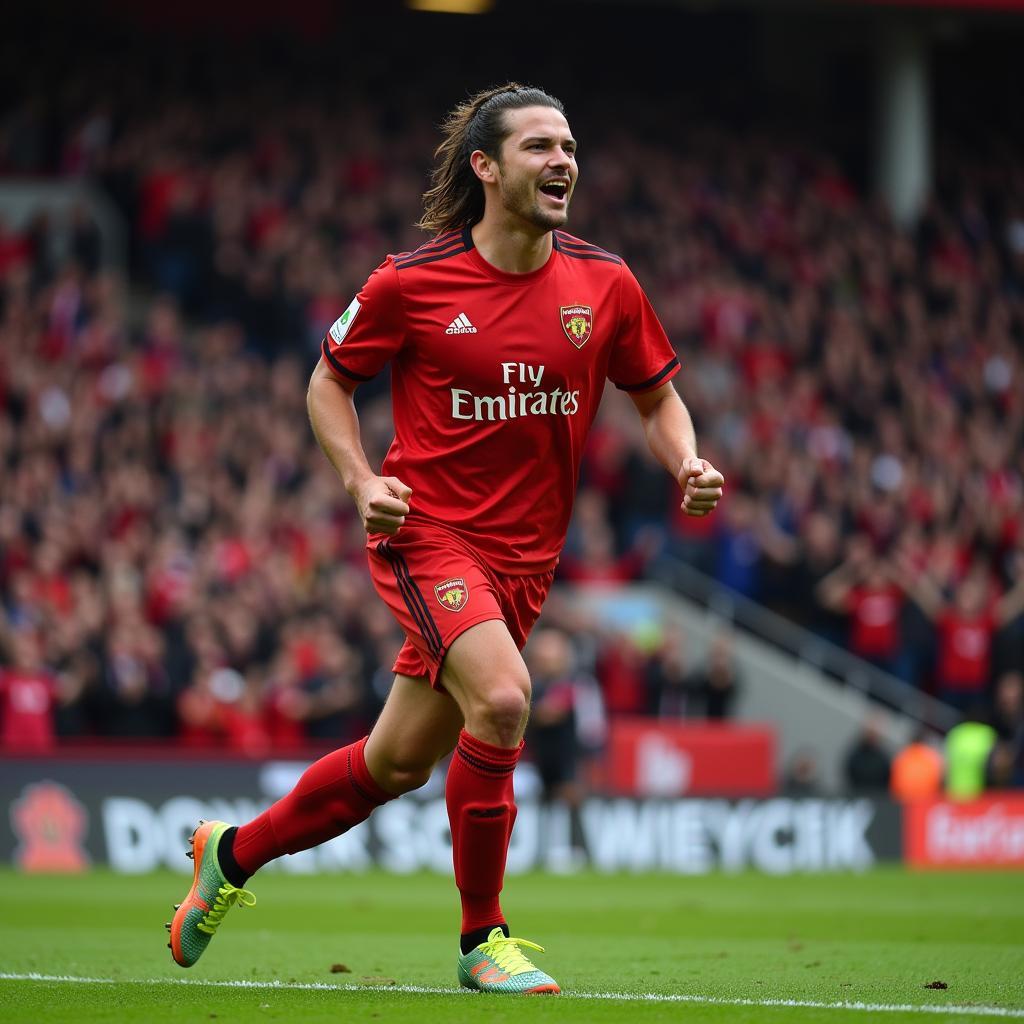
(383, 504)
(702, 487)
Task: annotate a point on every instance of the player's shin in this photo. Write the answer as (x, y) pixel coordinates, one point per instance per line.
(481, 810)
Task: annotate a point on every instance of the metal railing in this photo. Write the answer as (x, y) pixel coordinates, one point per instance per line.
(833, 662)
(21, 199)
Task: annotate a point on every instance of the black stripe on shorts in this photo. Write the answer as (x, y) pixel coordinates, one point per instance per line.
(413, 599)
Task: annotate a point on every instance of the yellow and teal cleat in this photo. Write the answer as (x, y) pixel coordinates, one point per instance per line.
(499, 965)
(210, 898)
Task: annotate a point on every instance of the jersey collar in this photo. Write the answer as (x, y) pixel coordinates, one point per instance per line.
(503, 275)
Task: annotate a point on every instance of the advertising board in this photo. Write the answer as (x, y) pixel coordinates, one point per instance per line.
(133, 817)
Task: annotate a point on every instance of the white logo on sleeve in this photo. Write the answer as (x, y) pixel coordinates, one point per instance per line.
(460, 325)
(341, 326)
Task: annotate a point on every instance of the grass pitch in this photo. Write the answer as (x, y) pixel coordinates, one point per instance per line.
(714, 948)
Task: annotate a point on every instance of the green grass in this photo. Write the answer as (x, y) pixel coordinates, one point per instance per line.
(877, 938)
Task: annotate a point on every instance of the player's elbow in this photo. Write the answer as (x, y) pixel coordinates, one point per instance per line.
(324, 387)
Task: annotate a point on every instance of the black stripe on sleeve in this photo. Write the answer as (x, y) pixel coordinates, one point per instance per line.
(590, 256)
(340, 367)
(581, 250)
(433, 258)
(574, 243)
(442, 239)
(434, 245)
(651, 381)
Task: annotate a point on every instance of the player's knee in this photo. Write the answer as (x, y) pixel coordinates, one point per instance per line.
(405, 780)
(402, 775)
(505, 705)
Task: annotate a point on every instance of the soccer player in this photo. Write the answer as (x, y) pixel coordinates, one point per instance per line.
(501, 332)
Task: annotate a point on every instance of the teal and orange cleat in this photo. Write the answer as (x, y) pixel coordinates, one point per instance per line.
(499, 965)
(210, 898)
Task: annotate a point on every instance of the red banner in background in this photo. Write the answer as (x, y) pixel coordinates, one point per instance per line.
(651, 757)
(984, 833)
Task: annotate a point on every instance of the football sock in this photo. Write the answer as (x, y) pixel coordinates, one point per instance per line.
(230, 868)
(473, 939)
(482, 811)
(333, 794)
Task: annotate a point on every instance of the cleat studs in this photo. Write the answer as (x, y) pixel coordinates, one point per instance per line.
(177, 906)
(192, 840)
(190, 855)
(167, 925)
(202, 822)
(168, 945)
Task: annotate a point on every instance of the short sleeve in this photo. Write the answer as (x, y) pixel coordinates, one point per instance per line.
(371, 331)
(642, 357)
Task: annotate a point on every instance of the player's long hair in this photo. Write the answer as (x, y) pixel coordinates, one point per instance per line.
(456, 196)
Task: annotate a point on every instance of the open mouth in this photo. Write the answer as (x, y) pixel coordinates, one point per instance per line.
(556, 188)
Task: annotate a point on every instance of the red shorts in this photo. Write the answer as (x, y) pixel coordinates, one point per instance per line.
(437, 587)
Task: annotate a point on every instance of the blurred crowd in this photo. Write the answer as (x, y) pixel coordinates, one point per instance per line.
(177, 557)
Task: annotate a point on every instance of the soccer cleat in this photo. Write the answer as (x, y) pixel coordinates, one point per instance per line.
(499, 965)
(199, 915)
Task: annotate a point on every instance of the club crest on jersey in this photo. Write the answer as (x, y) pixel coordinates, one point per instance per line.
(452, 594)
(578, 323)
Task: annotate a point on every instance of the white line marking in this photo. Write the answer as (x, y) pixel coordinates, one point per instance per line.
(629, 997)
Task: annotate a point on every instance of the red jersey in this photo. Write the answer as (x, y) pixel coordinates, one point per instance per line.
(965, 650)
(875, 620)
(26, 710)
(496, 379)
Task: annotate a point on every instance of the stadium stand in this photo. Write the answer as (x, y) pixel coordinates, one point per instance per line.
(176, 558)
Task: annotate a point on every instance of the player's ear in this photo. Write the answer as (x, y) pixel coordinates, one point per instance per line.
(483, 166)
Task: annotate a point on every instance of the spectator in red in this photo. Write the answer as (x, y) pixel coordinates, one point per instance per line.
(865, 589)
(29, 693)
(222, 709)
(966, 628)
(621, 668)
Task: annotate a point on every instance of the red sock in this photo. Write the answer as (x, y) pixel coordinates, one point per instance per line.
(481, 810)
(333, 794)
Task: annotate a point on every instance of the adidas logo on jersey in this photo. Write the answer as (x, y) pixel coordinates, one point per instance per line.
(460, 325)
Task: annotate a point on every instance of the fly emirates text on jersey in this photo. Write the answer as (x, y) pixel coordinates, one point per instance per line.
(517, 402)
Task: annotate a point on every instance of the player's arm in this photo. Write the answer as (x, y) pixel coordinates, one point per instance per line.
(670, 436)
(382, 502)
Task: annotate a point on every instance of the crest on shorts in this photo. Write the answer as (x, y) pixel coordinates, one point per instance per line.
(578, 323)
(453, 594)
